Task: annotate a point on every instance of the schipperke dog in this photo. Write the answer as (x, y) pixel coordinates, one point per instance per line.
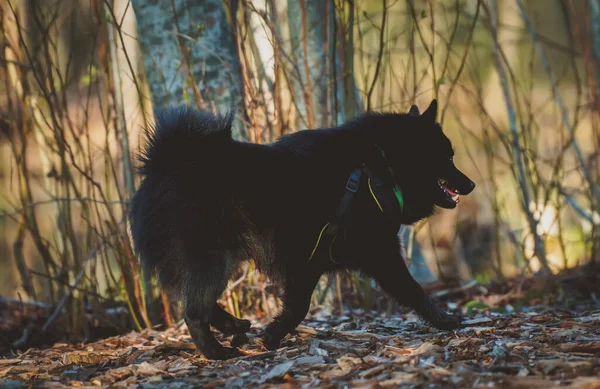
(312, 202)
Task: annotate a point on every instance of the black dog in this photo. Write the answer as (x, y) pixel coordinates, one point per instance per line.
(314, 201)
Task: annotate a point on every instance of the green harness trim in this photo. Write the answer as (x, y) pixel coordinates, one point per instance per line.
(396, 189)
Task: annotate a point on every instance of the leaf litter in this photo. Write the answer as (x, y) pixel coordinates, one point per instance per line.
(542, 345)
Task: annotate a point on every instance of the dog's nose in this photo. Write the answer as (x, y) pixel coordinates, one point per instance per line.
(471, 187)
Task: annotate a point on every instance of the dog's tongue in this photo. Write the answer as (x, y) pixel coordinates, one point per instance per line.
(452, 193)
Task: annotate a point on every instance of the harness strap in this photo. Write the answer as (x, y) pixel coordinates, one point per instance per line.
(385, 201)
(392, 203)
(352, 186)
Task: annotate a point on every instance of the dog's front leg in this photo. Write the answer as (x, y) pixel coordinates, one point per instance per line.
(390, 271)
(295, 304)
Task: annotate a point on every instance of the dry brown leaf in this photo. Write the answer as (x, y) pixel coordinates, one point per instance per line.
(391, 350)
(80, 357)
(549, 365)
(540, 319)
(6, 362)
(438, 372)
(526, 383)
(476, 321)
(373, 371)
(585, 383)
(397, 379)
(357, 334)
(4, 372)
(595, 317)
(309, 360)
(277, 371)
(585, 347)
(568, 323)
(427, 348)
(333, 374)
(214, 384)
(119, 373)
(146, 369)
(348, 363)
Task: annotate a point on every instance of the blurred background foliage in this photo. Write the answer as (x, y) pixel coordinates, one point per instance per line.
(517, 82)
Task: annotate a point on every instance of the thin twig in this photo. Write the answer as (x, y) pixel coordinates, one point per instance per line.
(379, 56)
(60, 200)
(92, 254)
(563, 109)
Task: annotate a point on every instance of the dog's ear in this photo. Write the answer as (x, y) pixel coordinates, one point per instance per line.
(414, 110)
(431, 112)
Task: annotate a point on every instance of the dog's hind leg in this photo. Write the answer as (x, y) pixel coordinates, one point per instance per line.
(227, 323)
(204, 283)
(391, 273)
(296, 302)
(198, 314)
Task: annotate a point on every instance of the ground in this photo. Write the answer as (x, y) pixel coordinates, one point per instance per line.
(552, 343)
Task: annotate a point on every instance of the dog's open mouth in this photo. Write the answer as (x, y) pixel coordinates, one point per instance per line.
(450, 196)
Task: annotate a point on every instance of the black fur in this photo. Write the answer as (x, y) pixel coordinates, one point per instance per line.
(207, 203)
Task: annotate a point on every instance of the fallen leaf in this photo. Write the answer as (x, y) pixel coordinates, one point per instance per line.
(6, 362)
(373, 371)
(585, 383)
(348, 363)
(277, 371)
(426, 349)
(586, 347)
(4, 372)
(549, 365)
(476, 321)
(590, 318)
(214, 384)
(81, 357)
(146, 369)
(542, 319)
(309, 360)
(120, 373)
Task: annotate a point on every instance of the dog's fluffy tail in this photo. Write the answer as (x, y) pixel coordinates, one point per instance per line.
(181, 140)
(176, 131)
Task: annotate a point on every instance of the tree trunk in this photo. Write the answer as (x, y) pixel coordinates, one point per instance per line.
(189, 53)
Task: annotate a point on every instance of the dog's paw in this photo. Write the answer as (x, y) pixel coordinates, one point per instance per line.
(239, 339)
(243, 326)
(220, 353)
(269, 341)
(236, 327)
(447, 322)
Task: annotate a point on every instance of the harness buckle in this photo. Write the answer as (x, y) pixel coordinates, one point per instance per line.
(353, 181)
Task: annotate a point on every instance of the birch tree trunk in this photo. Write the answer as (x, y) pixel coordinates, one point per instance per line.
(189, 52)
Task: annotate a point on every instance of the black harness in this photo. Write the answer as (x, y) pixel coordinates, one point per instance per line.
(388, 200)
(385, 198)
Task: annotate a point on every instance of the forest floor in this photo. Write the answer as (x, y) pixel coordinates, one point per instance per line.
(531, 333)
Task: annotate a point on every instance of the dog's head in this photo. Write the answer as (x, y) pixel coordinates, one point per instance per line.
(422, 159)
